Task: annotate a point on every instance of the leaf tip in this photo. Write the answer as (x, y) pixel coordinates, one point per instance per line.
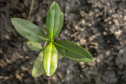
(33, 74)
(54, 2)
(13, 19)
(92, 59)
(48, 75)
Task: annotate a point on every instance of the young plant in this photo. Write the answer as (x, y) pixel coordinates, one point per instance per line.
(47, 60)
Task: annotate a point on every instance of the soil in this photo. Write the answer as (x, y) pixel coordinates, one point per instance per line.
(97, 25)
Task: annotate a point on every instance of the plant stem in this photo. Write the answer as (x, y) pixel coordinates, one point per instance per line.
(32, 3)
(45, 44)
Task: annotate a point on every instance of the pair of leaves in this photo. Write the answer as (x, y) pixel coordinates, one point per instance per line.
(47, 60)
(54, 24)
(54, 21)
(37, 46)
(67, 49)
(31, 32)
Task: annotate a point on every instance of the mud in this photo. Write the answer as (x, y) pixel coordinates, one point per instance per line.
(97, 25)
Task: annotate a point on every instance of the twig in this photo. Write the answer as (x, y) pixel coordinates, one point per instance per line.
(3, 77)
(32, 3)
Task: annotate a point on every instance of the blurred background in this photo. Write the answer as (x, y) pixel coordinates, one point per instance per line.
(97, 25)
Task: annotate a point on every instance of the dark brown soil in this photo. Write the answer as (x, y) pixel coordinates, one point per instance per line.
(97, 25)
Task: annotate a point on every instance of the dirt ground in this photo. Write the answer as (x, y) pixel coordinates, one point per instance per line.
(97, 25)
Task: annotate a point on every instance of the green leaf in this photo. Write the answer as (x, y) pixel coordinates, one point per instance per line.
(61, 25)
(73, 51)
(53, 20)
(50, 59)
(59, 56)
(34, 45)
(38, 68)
(28, 30)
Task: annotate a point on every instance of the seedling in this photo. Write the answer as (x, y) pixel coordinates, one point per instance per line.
(47, 60)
